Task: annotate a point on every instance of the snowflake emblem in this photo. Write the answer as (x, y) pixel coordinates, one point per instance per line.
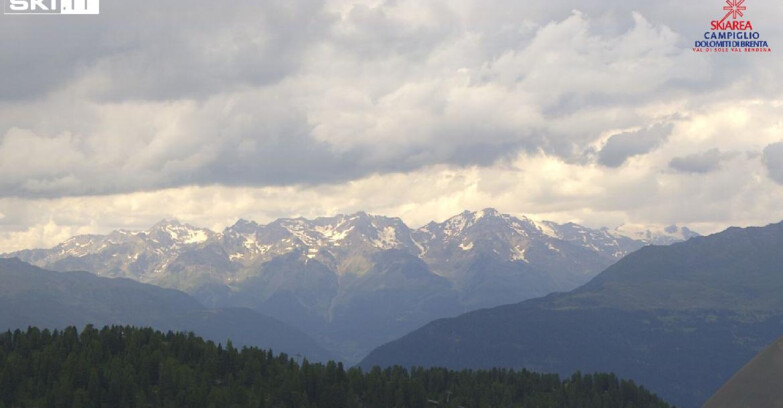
(734, 9)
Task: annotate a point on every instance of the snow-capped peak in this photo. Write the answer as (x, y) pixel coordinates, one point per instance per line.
(244, 225)
(458, 224)
(655, 235)
(487, 212)
(340, 233)
(178, 233)
(348, 238)
(166, 223)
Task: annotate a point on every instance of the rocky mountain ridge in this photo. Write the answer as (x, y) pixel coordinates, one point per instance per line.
(329, 275)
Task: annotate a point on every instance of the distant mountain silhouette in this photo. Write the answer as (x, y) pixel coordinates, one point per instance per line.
(679, 319)
(31, 296)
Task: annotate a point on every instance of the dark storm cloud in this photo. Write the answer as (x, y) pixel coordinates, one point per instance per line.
(286, 155)
(161, 50)
(41, 54)
(705, 162)
(623, 146)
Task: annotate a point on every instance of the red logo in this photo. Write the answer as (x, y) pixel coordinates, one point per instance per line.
(734, 8)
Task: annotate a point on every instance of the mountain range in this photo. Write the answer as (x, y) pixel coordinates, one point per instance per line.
(31, 296)
(680, 319)
(354, 282)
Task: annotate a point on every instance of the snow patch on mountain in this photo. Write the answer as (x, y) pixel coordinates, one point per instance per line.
(195, 237)
(346, 243)
(655, 235)
(547, 228)
(519, 254)
(456, 225)
(387, 238)
(333, 233)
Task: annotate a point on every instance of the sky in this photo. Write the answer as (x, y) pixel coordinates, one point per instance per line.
(596, 112)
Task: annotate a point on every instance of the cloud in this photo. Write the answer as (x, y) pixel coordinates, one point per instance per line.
(622, 146)
(702, 163)
(773, 160)
(169, 50)
(419, 109)
(392, 87)
(542, 186)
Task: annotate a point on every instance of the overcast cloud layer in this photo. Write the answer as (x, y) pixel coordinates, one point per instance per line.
(589, 111)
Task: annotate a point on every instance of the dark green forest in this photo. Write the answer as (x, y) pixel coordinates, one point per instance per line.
(130, 367)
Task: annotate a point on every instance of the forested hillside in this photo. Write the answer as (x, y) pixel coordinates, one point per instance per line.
(31, 296)
(129, 367)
